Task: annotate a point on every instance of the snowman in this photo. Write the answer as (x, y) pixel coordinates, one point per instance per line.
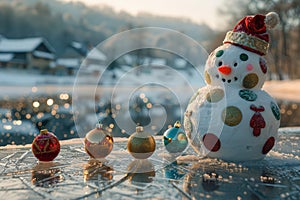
(232, 118)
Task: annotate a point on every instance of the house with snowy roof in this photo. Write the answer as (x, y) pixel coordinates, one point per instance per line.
(26, 53)
(70, 61)
(95, 61)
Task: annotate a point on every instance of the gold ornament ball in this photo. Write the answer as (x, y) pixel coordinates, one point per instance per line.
(98, 143)
(141, 145)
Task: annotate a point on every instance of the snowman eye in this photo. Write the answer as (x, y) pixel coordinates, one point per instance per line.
(235, 64)
(219, 53)
(244, 57)
(220, 63)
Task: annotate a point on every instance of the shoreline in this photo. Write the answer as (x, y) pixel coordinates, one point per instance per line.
(288, 90)
(282, 130)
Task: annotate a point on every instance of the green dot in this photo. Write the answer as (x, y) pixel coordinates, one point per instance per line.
(275, 110)
(244, 57)
(219, 53)
(248, 95)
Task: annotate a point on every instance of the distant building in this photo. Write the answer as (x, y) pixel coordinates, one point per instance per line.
(95, 62)
(67, 66)
(76, 55)
(27, 53)
(96, 57)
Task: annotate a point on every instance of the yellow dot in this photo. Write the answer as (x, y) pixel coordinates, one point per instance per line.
(215, 95)
(250, 81)
(232, 116)
(207, 77)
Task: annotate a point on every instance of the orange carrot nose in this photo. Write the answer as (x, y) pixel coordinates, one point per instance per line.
(225, 69)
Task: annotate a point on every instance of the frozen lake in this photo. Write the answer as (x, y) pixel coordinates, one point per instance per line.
(73, 176)
(27, 109)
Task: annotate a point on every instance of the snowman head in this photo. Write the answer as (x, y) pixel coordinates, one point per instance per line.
(235, 67)
(239, 62)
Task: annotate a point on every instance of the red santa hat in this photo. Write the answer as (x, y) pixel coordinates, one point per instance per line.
(251, 34)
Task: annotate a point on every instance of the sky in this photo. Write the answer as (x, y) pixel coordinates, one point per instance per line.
(197, 10)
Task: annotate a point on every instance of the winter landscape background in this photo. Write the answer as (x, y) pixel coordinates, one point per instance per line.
(44, 43)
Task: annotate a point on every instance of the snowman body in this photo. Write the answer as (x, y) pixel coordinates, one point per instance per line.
(232, 118)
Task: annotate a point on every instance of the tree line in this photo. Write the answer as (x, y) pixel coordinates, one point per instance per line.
(63, 22)
(285, 39)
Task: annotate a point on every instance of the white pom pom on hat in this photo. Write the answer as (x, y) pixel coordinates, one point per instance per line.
(271, 20)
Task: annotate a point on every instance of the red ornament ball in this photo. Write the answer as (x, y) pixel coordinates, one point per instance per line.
(45, 146)
(98, 143)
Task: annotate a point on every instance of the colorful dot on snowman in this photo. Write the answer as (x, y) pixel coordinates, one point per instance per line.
(232, 118)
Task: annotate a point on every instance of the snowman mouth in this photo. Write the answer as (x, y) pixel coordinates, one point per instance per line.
(226, 80)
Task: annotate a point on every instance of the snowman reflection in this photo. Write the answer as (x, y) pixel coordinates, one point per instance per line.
(216, 179)
(232, 118)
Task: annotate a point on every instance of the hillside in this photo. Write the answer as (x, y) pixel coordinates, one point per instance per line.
(62, 22)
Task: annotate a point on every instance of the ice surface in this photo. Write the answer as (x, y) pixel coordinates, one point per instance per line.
(73, 176)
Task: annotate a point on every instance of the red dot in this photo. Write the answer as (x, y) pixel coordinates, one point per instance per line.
(268, 145)
(263, 65)
(211, 142)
